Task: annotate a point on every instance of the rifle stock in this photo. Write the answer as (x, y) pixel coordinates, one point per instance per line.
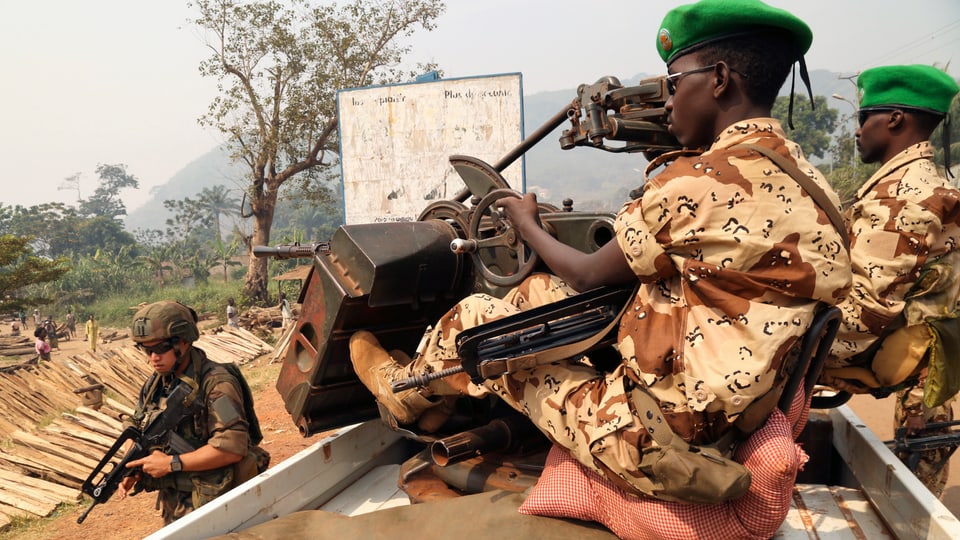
(103, 482)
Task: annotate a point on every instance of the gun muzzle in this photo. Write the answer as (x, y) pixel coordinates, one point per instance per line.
(291, 251)
(499, 434)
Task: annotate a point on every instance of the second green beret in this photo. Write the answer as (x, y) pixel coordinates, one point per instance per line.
(916, 86)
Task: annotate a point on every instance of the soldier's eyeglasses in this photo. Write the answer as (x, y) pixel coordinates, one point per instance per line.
(159, 349)
(863, 114)
(674, 78)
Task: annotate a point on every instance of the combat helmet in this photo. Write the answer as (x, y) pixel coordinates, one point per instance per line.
(165, 320)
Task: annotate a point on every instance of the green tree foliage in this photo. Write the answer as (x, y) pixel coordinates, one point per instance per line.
(279, 69)
(937, 137)
(52, 227)
(217, 202)
(20, 268)
(102, 234)
(58, 230)
(105, 201)
(812, 127)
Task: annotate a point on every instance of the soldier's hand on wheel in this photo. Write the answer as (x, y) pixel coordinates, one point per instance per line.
(521, 212)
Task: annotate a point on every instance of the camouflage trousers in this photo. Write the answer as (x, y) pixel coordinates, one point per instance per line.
(587, 412)
(174, 504)
(933, 467)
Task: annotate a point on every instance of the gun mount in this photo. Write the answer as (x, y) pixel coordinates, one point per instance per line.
(394, 279)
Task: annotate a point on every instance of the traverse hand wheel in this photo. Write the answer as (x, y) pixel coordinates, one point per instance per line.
(490, 230)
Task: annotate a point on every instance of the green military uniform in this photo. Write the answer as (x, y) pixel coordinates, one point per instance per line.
(731, 274)
(904, 228)
(218, 421)
(218, 414)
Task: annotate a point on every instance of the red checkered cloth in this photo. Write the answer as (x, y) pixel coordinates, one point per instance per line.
(568, 489)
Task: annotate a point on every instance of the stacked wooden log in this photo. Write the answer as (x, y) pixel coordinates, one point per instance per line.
(16, 345)
(268, 318)
(52, 443)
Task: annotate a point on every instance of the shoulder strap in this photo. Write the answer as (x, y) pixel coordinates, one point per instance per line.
(815, 191)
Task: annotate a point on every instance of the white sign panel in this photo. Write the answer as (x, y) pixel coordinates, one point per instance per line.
(396, 141)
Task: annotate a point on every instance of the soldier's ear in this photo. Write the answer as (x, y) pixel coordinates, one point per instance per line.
(895, 120)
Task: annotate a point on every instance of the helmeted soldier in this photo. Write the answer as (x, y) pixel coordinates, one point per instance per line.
(213, 448)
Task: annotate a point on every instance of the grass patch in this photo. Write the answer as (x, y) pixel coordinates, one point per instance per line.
(117, 311)
(34, 527)
(262, 377)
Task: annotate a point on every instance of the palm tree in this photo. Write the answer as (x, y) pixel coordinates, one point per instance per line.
(217, 201)
(156, 262)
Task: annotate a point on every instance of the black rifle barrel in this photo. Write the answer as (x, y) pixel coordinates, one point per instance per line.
(291, 251)
(499, 434)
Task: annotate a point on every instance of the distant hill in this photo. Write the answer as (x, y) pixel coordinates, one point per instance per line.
(209, 170)
(594, 179)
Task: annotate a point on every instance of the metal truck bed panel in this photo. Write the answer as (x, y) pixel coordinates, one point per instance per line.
(355, 471)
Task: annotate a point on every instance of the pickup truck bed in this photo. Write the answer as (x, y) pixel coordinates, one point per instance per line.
(355, 471)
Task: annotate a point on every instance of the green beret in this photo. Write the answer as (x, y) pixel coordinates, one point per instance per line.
(686, 27)
(916, 86)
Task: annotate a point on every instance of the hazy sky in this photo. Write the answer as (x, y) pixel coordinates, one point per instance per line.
(116, 81)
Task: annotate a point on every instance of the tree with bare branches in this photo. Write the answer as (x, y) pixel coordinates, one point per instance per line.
(280, 66)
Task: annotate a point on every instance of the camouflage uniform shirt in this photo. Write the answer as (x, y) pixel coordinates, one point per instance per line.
(904, 216)
(733, 258)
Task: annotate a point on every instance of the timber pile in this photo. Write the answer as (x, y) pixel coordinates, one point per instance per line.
(16, 345)
(260, 318)
(52, 443)
(109, 336)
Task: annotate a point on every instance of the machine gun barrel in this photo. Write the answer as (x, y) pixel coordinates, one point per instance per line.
(500, 434)
(291, 251)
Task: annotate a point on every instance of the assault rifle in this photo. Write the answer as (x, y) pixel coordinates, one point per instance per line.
(931, 437)
(158, 434)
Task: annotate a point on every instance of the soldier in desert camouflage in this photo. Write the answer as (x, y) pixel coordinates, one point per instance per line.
(904, 227)
(732, 257)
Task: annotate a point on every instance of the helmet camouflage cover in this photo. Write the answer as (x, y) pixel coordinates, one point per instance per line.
(165, 320)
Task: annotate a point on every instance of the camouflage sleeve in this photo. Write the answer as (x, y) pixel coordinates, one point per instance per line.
(638, 241)
(226, 423)
(899, 225)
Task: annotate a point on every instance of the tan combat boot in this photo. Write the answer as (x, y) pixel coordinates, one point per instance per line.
(378, 370)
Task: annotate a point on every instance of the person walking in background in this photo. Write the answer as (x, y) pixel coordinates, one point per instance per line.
(233, 318)
(92, 331)
(51, 328)
(22, 315)
(71, 324)
(36, 318)
(285, 311)
(41, 345)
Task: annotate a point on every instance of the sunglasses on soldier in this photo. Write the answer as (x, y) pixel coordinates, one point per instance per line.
(864, 114)
(159, 349)
(673, 79)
